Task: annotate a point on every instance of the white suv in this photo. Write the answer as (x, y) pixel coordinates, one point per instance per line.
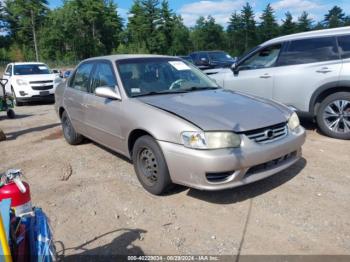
(30, 82)
(307, 71)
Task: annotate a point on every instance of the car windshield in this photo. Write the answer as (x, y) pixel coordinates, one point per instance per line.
(31, 69)
(153, 76)
(220, 56)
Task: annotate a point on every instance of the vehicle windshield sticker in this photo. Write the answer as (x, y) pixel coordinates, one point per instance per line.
(135, 90)
(179, 65)
(42, 67)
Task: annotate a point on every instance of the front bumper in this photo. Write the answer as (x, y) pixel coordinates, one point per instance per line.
(32, 93)
(228, 168)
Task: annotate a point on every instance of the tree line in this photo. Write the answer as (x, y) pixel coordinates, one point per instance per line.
(84, 28)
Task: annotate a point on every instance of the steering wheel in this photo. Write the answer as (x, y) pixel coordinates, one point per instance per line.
(175, 83)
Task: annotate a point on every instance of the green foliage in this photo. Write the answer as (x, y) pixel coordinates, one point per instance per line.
(288, 26)
(207, 34)
(268, 27)
(304, 22)
(335, 17)
(84, 28)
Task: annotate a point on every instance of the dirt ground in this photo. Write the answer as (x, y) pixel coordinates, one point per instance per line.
(97, 206)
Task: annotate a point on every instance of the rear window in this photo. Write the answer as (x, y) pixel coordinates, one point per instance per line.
(309, 51)
(31, 69)
(344, 45)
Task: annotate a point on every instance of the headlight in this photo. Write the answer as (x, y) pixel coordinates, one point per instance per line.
(58, 80)
(210, 140)
(293, 121)
(21, 82)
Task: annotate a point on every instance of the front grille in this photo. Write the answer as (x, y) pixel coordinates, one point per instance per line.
(270, 164)
(42, 87)
(268, 134)
(41, 82)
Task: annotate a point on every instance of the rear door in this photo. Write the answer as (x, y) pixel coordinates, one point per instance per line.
(255, 74)
(75, 93)
(344, 46)
(306, 65)
(103, 115)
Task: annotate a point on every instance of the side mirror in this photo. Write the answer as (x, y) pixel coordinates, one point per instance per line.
(235, 69)
(107, 92)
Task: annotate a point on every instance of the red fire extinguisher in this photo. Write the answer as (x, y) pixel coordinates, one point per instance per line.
(11, 186)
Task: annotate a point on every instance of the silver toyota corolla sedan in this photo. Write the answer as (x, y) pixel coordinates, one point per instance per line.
(176, 124)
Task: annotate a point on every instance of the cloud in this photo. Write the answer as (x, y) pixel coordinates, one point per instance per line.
(220, 10)
(297, 5)
(315, 8)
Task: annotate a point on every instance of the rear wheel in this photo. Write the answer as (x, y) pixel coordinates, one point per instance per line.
(72, 137)
(333, 116)
(150, 166)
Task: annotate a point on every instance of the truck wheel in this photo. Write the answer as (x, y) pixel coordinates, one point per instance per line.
(333, 116)
(150, 165)
(72, 137)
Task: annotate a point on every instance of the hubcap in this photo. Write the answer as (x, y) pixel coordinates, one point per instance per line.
(149, 166)
(337, 116)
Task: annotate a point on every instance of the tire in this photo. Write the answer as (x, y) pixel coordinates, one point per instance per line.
(150, 166)
(11, 114)
(333, 115)
(72, 137)
(15, 100)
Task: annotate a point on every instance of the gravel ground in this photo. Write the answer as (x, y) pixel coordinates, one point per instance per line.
(96, 205)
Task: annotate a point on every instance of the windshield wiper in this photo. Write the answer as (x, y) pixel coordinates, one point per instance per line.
(199, 88)
(165, 92)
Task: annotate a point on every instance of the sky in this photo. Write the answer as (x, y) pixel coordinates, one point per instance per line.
(221, 10)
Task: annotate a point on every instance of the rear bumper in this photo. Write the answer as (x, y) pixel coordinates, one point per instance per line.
(202, 169)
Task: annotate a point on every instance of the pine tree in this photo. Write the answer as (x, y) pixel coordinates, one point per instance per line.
(249, 35)
(268, 27)
(234, 34)
(304, 22)
(334, 18)
(288, 26)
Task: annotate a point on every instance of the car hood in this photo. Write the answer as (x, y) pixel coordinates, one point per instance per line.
(41, 77)
(221, 109)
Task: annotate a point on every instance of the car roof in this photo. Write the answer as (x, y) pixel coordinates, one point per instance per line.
(211, 51)
(27, 63)
(125, 56)
(309, 34)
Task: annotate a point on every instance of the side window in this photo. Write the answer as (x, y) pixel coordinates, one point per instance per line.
(263, 58)
(9, 70)
(310, 51)
(103, 76)
(344, 45)
(81, 77)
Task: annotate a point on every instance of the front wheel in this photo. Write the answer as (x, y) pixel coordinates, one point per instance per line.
(150, 166)
(333, 116)
(15, 100)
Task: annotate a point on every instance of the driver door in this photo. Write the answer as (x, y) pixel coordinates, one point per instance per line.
(254, 75)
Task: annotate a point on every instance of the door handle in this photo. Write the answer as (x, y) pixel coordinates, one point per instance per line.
(323, 70)
(265, 76)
